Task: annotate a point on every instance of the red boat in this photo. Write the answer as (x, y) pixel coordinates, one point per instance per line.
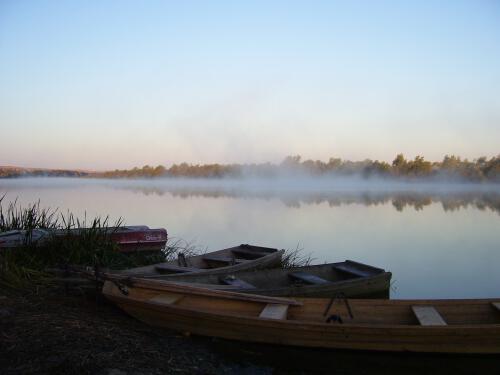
(128, 238)
(132, 239)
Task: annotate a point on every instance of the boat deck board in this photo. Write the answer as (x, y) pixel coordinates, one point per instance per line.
(167, 299)
(274, 311)
(428, 316)
(223, 259)
(237, 282)
(307, 278)
(174, 268)
(352, 270)
(249, 254)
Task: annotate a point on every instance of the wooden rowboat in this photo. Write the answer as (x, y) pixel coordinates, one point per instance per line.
(350, 278)
(444, 326)
(233, 259)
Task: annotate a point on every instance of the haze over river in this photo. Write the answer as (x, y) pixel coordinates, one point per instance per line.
(439, 241)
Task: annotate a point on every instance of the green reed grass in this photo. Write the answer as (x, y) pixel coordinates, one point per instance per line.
(295, 258)
(22, 266)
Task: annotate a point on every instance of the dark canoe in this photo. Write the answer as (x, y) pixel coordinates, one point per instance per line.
(350, 278)
(233, 259)
(440, 326)
(18, 238)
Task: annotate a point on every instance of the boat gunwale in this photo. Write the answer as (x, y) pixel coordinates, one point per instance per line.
(172, 286)
(303, 323)
(245, 266)
(331, 284)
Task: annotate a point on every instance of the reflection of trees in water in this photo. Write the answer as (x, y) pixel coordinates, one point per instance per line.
(452, 201)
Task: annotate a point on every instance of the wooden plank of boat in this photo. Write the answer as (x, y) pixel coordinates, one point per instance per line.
(274, 311)
(262, 258)
(308, 278)
(223, 259)
(309, 281)
(169, 287)
(241, 284)
(174, 268)
(249, 254)
(428, 316)
(164, 298)
(377, 325)
(349, 268)
(496, 305)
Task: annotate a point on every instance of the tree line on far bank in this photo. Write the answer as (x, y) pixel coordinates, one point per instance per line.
(451, 167)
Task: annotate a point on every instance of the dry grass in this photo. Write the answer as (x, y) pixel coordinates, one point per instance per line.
(296, 258)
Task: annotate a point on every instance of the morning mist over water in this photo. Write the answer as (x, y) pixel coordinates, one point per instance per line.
(425, 233)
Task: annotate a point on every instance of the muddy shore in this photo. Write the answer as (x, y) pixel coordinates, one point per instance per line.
(60, 333)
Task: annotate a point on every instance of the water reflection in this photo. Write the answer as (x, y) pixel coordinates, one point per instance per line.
(439, 241)
(417, 200)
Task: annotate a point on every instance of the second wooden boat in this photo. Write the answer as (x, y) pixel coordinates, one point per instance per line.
(350, 278)
(233, 259)
(442, 326)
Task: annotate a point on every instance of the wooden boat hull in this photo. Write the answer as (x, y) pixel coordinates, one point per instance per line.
(265, 258)
(277, 282)
(223, 315)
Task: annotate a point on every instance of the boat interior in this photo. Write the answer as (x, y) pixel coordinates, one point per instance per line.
(217, 259)
(275, 278)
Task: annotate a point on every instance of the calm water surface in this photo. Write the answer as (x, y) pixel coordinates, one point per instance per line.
(439, 241)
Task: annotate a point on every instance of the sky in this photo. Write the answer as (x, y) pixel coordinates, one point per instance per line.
(117, 84)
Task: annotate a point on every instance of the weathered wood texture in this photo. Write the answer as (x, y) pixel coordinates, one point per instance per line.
(428, 316)
(379, 325)
(274, 311)
(214, 263)
(310, 281)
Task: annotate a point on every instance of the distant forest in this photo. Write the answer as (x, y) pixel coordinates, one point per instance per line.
(451, 167)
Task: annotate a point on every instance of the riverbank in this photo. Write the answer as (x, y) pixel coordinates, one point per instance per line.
(53, 333)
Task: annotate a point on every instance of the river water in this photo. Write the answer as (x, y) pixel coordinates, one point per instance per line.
(438, 240)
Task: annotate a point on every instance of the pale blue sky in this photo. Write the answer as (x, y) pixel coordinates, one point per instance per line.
(105, 84)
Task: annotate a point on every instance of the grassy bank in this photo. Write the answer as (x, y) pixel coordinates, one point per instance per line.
(28, 264)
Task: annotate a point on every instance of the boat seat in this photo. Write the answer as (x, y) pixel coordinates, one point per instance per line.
(222, 259)
(249, 254)
(172, 268)
(231, 280)
(262, 249)
(167, 299)
(352, 270)
(307, 278)
(496, 305)
(274, 311)
(428, 316)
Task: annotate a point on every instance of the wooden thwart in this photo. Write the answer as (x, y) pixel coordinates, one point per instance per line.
(167, 299)
(222, 259)
(249, 254)
(174, 268)
(237, 282)
(352, 270)
(307, 278)
(274, 311)
(428, 316)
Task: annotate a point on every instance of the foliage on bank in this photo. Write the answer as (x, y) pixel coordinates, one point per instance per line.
(451, 167)
(30, 263)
